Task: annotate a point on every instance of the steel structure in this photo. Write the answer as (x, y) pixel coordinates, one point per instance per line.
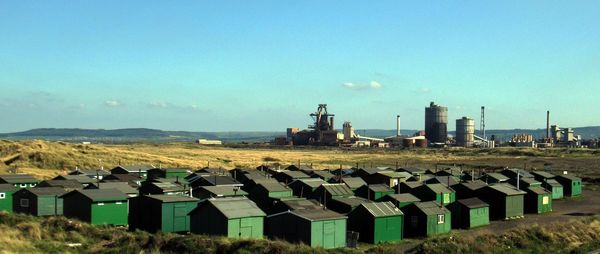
(436, 123)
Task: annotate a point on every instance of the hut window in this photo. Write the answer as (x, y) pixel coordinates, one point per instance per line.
(23, 185)
(2, 195)
(118, 203)
(446, 198)
(441, 219)
(545, 200)
(100, 203)
(24, 202)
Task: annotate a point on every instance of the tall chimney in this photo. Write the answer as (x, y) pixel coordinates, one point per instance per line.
(331, 127)
(398, 126)
(547, 124)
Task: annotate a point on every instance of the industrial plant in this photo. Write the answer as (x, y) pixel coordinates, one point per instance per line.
(322, 132)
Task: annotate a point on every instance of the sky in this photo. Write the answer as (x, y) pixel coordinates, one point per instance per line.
(265, 65)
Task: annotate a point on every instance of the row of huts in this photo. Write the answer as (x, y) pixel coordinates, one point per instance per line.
(299, 204)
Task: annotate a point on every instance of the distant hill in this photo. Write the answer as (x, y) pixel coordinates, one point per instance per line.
(136, 134)
(153, 135)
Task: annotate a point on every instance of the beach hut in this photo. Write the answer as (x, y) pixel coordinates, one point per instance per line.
(553, 187)
(542, 175)
(168, 173)
(121, 186)
(389, 178)
(435, 192)
(165, 213)
(401, 200)
(264, 194)
(313, 227)
(512, 173)
(377, 222)
(82, 179)
(413, 170)
(140, 171)
(571, 185)
(468, 189)
(426, 219)
(288, 176)
(353, 182)
(490, 178)
(6, 196)
(19, 180)
(538, 200)
(506, 201)
(469, 213)
(327, 191)
(322, 174)
(374, 191)
(295, 204)
(236, 217)
(305, 187)
(345, 204)
(158, 188)
(91, 173)
(204, 192)
(97, 206)
(68, 185)
(39, 201)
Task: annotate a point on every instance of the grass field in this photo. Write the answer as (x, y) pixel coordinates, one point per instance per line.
(46, 159)
(25, 234)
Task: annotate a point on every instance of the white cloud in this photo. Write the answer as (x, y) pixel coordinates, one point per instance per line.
(423, 90)
(349, 85)
(112, 103)
(158, 104)
(373, 85)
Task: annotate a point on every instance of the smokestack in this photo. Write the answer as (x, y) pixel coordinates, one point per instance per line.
(331, 123)
(398, 126)
(547, 124)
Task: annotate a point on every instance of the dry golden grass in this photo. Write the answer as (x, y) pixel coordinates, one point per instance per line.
(12, 240)
(45, 159)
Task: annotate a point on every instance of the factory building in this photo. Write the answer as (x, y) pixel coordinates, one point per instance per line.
(436, 123)
(465, 132)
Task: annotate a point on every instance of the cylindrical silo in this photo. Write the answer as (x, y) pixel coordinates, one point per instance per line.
(465, 131)
(436, 123)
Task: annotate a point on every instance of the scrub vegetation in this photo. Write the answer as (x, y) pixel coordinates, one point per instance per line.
(28, 234)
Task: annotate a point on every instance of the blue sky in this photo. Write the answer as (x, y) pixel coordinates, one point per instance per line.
(265, 65)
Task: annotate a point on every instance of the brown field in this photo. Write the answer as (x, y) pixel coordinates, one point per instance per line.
(46, 159)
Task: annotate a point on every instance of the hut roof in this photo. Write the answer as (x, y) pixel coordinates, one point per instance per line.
(382, 209)
(473, 203)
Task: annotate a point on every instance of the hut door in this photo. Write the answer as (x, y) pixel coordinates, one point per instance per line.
(245, 228)
(328, 234)
(179, 218)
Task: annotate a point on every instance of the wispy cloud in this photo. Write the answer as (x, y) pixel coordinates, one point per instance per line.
(173, 106)
(158, 104)
(422, 90)
(373, 85)
(112, 103)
